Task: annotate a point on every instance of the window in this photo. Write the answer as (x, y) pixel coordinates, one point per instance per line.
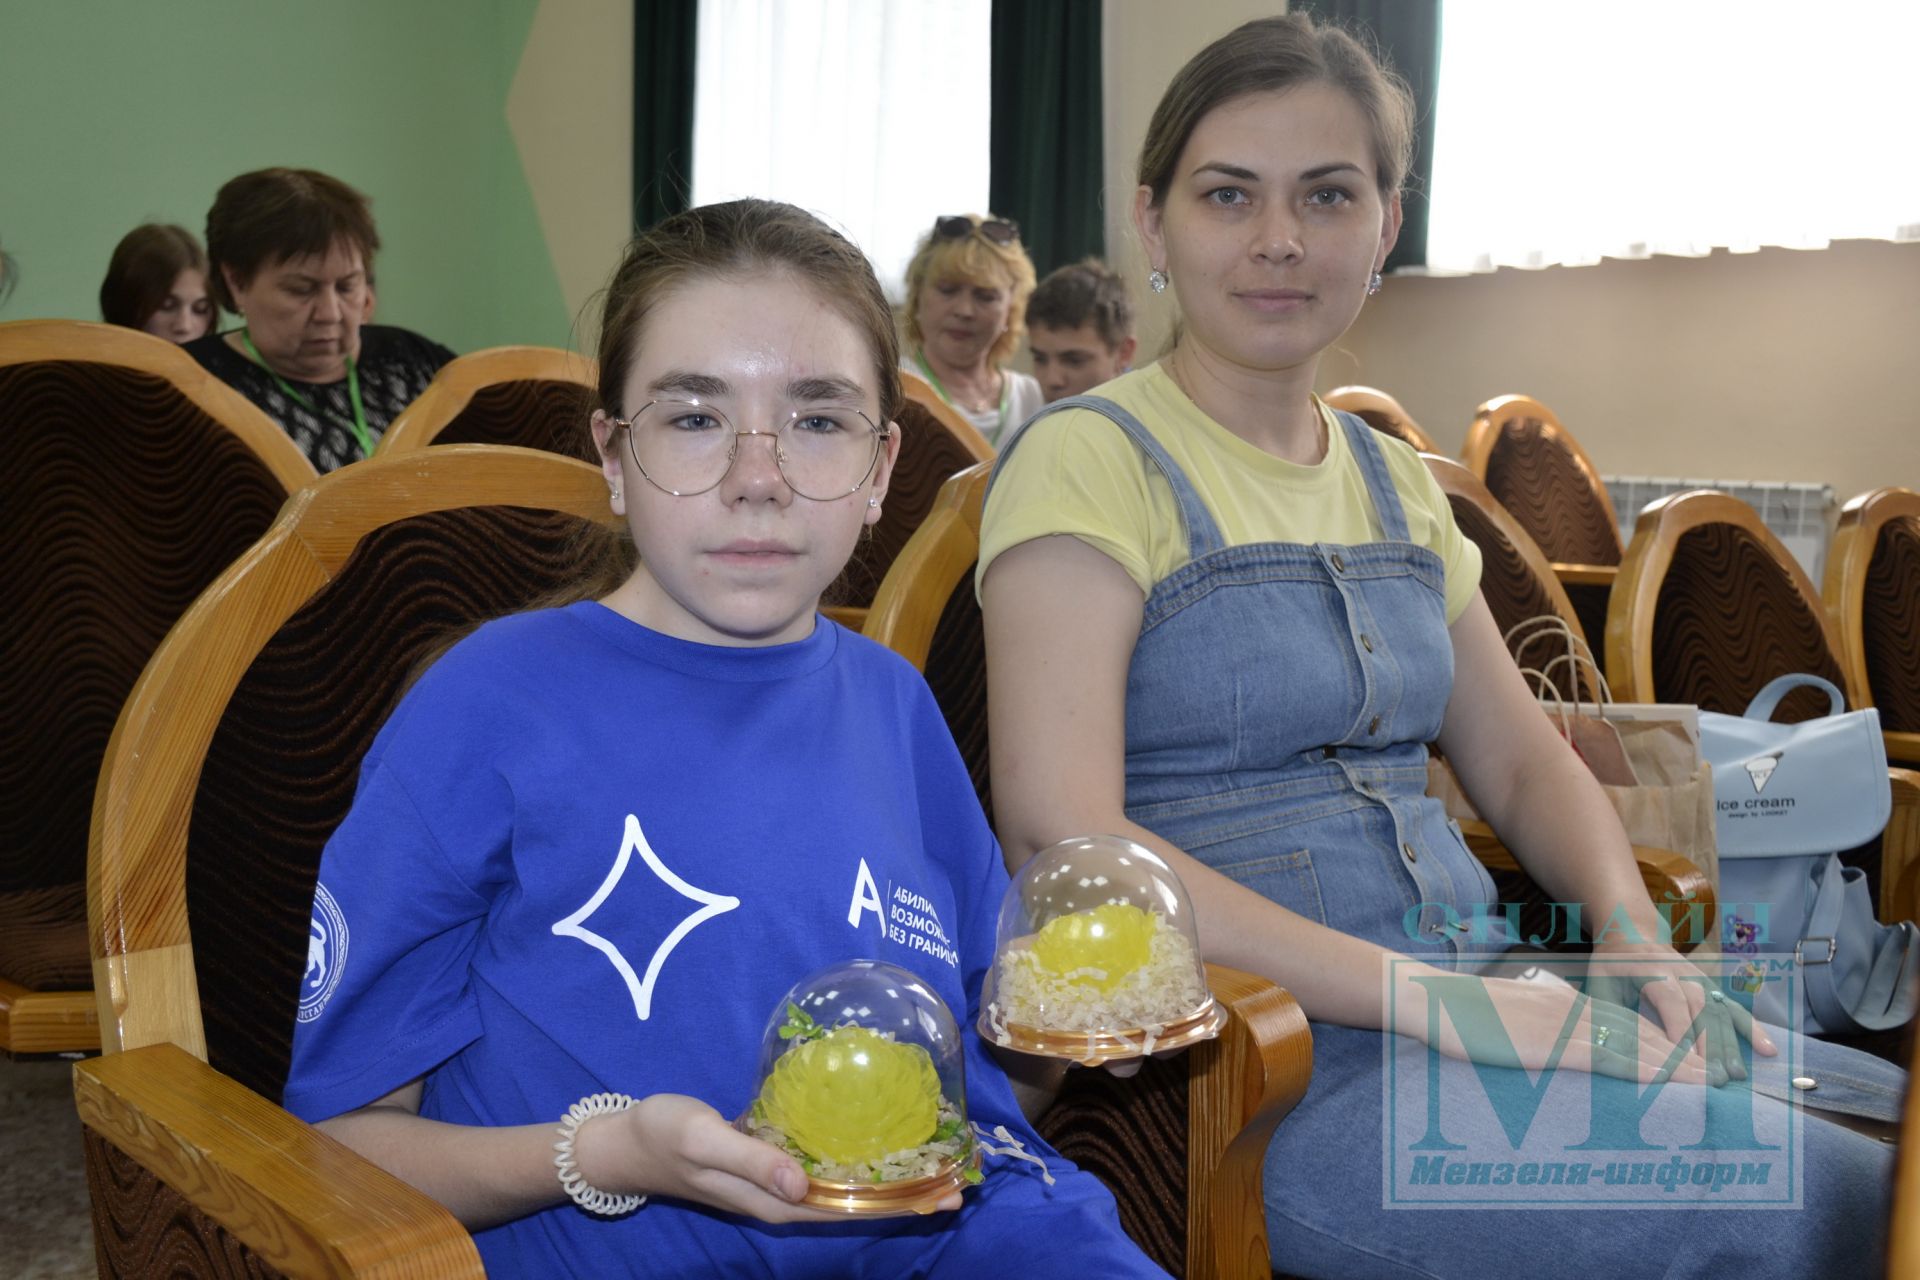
(1568, 132)
(870, 113)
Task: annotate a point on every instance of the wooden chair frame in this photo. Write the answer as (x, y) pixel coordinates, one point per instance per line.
(39, 1022)
(921, 392)
(1844, 594)
(1369, 400)
(454, 387)
(1630, 612)
(297, 1198)
(83, 342)
(1490, 423)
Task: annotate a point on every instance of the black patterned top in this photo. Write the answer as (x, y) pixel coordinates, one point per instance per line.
(394, 366)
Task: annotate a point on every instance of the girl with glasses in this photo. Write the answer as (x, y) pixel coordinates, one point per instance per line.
(596, 843)
(967, 290)
(1225, 621)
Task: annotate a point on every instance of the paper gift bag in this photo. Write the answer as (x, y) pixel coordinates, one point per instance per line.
(1670, 807)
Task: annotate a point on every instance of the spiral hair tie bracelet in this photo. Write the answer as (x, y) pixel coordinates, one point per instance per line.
(582, 1192)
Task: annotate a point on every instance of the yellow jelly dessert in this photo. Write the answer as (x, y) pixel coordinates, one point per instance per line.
(852, 1096)
(1113, 939)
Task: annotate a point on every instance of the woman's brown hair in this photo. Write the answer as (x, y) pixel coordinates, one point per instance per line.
(1269, 55)
(271, 215)
(144, 266)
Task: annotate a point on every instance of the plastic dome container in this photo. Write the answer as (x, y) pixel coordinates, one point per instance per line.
(1097, 958)
(863, 1080)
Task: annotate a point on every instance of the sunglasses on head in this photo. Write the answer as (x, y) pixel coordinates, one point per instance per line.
(959, 226)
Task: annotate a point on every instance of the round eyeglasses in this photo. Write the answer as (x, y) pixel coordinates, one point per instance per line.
(684, 447)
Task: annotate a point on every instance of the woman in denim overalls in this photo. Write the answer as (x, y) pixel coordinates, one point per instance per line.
(1259, 715)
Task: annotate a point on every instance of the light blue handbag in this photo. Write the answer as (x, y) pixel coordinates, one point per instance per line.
(1786, 797)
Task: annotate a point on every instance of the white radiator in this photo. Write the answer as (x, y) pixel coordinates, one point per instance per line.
(1797, 513)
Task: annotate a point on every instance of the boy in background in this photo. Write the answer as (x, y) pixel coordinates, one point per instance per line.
(1079, 329)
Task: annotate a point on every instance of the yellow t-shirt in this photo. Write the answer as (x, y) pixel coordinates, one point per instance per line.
(1079, 474)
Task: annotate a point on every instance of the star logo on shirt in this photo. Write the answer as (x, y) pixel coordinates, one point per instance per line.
(575, 925)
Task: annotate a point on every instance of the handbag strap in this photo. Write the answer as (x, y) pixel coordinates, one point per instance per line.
(1767, 701)
(1883, 1002)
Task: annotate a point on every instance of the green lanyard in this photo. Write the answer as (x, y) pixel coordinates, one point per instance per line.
(359, 424)
(1006, 386)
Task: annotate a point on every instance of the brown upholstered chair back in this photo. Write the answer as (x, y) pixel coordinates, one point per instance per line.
(1709, 607)
(1383, 413)
(935, 443)
(1873, 601)
(131, 481)
(1515, 578)
(281, 770)
(1890, 624)
(534, 397)
(1540, 474)
(272, 689)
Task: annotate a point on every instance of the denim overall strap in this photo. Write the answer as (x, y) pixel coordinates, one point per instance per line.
(1203, 534)
(1373, 467)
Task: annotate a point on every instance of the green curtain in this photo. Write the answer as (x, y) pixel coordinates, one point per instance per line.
(1407, 35)
(663, 54)
(1046, 132)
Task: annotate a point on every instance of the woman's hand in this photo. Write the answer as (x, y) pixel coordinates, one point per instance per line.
(1682, 998)
(671, 1145)
(1513, 1022)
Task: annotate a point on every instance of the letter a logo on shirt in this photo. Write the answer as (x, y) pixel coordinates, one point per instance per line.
(574, 926)
(866, 897)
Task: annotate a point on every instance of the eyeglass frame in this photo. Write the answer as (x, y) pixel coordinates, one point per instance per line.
(880, 436)
(958, 226)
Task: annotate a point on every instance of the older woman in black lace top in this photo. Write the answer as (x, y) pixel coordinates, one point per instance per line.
(291, 252)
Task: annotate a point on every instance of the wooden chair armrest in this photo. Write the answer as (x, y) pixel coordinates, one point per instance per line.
(1903, 749)
(1671, 879)
(1900, 850)
(302, 1202)
(1586, 575)
(1241, 1086)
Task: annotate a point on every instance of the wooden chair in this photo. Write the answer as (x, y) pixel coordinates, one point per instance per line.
(1540, 474)
(536, 397)
(1515, 576)
(1872, 596)
(935, 442)
(231, 764)
(133, 477)
(1383, 413)
(1708, 608)
(1519, 584)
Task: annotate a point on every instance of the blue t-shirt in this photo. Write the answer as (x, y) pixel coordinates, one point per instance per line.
(586, 857)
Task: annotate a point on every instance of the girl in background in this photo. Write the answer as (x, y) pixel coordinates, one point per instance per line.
(157, 282)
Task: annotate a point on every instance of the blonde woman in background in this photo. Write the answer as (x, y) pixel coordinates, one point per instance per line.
(967, 290)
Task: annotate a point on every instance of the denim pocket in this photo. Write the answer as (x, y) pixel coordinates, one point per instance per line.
(1286, 878)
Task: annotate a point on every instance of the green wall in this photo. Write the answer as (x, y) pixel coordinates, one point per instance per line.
(116, 112)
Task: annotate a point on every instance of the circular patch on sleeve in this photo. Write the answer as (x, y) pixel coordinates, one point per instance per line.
(326, 954)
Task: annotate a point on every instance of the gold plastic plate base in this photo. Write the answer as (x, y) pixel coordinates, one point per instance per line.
(892, 1199)
(1092, 1048)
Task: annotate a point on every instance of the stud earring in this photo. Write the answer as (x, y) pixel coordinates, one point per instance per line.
(1373, 285)
(874, 503)
(1157, 281)
(616, 494)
